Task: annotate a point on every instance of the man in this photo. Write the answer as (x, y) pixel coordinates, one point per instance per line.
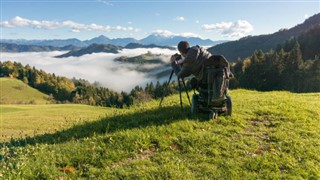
(193, 62)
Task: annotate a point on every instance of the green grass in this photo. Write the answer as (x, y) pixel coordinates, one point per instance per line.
(13, 91)
(271, 135)
(20, 121)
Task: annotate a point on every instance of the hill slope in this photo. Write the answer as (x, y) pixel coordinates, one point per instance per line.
(271, 135)
(94, 48)
(246, 46)
(14, 91)
(7, 47)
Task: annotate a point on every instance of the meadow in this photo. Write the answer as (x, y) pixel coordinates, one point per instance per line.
(14, 91)
(271, 135)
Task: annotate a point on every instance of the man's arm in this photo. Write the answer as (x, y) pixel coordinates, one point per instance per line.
(185, 70)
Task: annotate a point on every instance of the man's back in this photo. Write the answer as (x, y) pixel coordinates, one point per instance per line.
(194, 61)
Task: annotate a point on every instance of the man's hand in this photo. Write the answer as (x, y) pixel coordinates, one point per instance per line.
(173, 58)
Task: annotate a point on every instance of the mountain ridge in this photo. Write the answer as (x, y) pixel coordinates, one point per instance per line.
(93, 48)
(151, 39)
(245, 46)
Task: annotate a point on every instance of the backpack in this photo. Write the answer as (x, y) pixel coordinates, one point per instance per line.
(216, 76)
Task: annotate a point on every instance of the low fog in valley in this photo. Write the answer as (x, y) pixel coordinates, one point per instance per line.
(97, 67)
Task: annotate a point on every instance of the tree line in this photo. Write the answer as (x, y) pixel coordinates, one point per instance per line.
(283, 69)
(64, 90)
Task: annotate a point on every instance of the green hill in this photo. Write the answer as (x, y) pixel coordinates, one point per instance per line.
(14, 91)
(93, 48)
(271, 135)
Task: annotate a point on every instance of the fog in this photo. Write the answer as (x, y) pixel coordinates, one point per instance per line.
(97, 67)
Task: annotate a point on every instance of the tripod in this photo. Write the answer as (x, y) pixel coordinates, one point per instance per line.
(184, 85)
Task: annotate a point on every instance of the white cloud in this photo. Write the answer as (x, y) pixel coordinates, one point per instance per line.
(75, 30)
(190, 34)
(164, 33)
(167, 33)
(105, 2)
(75, 27)
(231, 29)
(197, 21)
(306, 16)
(94, 67)
(179, 18)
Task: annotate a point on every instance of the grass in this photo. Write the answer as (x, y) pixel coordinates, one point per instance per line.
(271, 135)
(20, 121)
(14, 91)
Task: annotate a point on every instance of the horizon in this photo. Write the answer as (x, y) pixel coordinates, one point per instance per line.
(100, 36)
(84, 20)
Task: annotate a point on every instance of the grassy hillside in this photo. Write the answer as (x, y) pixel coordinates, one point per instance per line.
(14, 91)
(271, 135)
(20, 121)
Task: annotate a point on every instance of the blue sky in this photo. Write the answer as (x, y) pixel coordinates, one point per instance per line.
(213, 19)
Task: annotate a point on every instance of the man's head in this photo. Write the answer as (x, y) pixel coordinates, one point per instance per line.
(183, 48)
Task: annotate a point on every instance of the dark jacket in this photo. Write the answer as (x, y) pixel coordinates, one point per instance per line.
(193, 63)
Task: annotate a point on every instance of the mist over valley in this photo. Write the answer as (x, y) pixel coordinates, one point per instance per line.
(104, 69)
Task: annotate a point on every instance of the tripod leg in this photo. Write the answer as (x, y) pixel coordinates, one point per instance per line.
(185, 88)
(180, 93)
(166, 87)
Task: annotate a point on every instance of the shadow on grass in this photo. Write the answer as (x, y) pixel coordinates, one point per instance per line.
(121, 120)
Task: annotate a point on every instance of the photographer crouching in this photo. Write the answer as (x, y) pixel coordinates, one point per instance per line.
(190, 62)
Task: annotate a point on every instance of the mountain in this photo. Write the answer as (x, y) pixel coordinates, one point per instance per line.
(61, 42)
(105, 40)
(174, 40)
(153, 64)
(53, 42)
(245, 47)
(152, 39)
(309, 43)
(147, 58)
(98, 40)
(139, 45)
(123, 41)
(7, 47)
(94, 48)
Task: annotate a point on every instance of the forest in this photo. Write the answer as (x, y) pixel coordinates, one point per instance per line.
(283, 69)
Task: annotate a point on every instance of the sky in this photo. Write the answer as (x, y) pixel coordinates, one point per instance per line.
(207, 19)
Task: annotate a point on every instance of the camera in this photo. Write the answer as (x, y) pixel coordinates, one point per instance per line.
(177, 56)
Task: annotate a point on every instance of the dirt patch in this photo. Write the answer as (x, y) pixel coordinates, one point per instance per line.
(145, 154)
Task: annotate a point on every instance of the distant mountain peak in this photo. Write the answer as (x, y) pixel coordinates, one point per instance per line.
(157, 38)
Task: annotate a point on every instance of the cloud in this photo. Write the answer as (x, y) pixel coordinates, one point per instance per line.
(167, 33)
(189, 34)
(75, 27)
(96, 67)
(105, 2)
(306, 16)
(230, 29)
(179, 18)
(164, 33)
(197, 21)
(75, 30)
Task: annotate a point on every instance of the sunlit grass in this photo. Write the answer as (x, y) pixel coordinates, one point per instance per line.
(13, 91)
(271, 135)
